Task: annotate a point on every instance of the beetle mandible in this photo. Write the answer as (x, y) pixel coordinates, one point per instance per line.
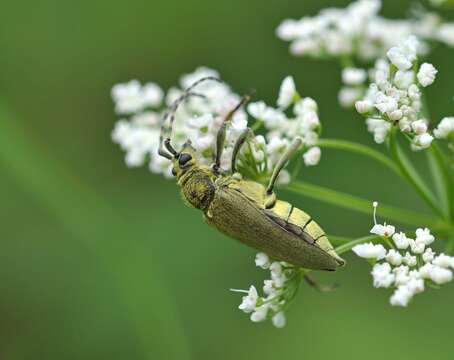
(243, 209)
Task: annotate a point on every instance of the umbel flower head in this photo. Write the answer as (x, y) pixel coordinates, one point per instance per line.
(394, 97)
(278, 292)
(142, 107)
(359, 32)
(406, 264)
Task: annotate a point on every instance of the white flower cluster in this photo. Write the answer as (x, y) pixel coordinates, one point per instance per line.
(279, 291)
(394, 96)
(357, 31)
(408, 266)
(445, 129)
(198, 119)
(282, 129)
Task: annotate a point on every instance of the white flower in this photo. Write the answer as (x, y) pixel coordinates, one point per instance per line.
(262, 260)
(403, 55)
(268, 287)
(385, 104)
(401, 240)
(419, 127)
(349, 95)
(424, 236)
(444, 128)
(426, 270)
(426, 74)
(257, 109)
(446, 34)
(401, 296)
(277, 275)
(394, 257)
(382, 275)
(131, 97)
(422, 141)
(363, 106)
(370, 251)
(304, 105)
(279, 320)
(260, 313)
(383, 230)
(312, 156)
(444, 261)
(415, 286)
(409, 259)
(417, 247)
(284, 178)
(277, 290)
(249, 301)
(403, 79)
(353, 76)
(413, 92)
(287, 92)
(395, 115)
(428, 255)
(440, 275)
(380, 129)
(398, 58)
(401, 275)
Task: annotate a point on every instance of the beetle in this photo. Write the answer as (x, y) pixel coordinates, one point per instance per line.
(242, 209)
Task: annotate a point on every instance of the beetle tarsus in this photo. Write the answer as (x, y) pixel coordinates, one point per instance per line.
(319, 287)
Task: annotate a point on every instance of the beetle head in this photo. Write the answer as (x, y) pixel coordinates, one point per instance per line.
(184, 160)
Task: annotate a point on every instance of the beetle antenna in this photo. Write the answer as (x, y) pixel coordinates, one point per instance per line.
(244, 100)
(171, 112)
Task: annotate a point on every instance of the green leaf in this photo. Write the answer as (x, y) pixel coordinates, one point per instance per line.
(361, 150)
(361, 205)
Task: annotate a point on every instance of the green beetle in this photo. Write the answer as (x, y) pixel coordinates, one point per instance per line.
(246, 210)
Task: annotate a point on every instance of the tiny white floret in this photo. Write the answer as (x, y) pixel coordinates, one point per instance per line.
(426, 74)
(262, 260)
(370, 251)
(287, 92)
(312, 156)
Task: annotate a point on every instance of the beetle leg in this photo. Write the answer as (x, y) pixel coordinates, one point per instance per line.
(320, 287)
(238, 144)
(291, 150)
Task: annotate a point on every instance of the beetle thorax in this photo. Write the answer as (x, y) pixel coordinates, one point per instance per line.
(197, 187)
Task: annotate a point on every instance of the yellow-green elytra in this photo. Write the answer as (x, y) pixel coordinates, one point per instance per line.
(246, 210)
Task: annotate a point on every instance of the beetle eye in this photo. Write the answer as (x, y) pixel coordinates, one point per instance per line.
(174, 172)
(184, 158)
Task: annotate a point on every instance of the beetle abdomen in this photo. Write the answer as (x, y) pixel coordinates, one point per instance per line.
(236, 216)
(301, 224)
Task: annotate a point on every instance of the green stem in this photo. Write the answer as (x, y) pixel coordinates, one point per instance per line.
(361, 150)
(446, 182)
(358, 204)
(257, 125)
(338, 240)
(348, 246)
(437, 177)
(411, 175)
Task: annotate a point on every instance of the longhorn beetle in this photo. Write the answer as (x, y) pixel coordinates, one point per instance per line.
(242, 209)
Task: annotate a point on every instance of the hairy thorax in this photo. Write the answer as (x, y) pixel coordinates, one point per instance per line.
(197, 188)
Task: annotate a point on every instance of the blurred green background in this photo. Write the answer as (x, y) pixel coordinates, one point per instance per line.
(101, 262)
